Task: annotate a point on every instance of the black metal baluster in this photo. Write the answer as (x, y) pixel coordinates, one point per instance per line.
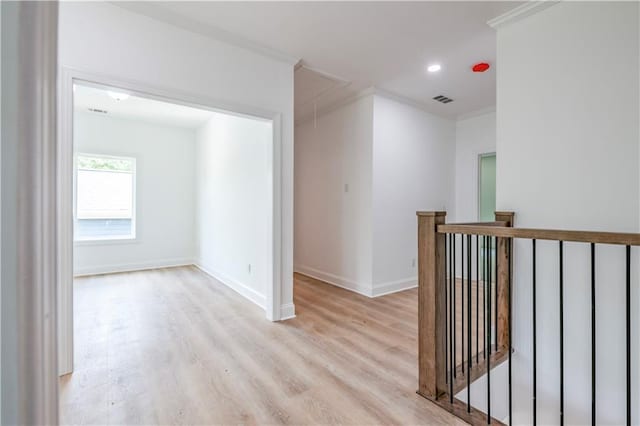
(462, 303)
(535, 350)
(490, 296)
(469, 300)
(509, 250)
(561, 334)
(447, 295)
(477, 296)
(484, 293)
(451, 284)
(628, 298)
(468, 323)
(489, 332)
(454, 307)
(593, 334)
(495, 294)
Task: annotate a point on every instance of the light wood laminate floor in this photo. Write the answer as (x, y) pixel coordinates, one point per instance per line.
(174, 346)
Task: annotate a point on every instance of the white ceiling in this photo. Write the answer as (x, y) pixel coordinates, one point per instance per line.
(138, 108)
(358, 45)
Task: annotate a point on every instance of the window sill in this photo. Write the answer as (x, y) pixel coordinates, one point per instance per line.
(107, 241)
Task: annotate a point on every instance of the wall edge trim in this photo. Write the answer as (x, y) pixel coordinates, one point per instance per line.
(520, 12)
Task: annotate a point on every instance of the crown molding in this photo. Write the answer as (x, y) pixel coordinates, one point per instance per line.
(370, 92)
(520, 12)
(159, 13)
(336, 105)
(338, 82)
(410, 102)
(477, 113)
(301, 64)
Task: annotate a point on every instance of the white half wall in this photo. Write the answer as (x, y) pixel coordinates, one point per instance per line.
(104, 39)
(413, 170)
(165, 193)
(474, 136)
(568, 157)
(333, 190)
(234, 200)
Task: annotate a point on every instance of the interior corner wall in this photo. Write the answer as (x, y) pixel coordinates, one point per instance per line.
(104, 39)
(568, 144)
(333, 188)
(234, 201)
(165, 194)
(362, 172)
(474, 136)
(413, 170)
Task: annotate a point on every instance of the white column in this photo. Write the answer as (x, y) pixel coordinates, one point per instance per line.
(29, 382)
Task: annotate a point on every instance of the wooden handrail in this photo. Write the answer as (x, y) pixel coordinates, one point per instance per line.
(616, 238)
(496, 223)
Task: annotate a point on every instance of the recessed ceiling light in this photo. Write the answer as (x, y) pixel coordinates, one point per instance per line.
(118, 96)
(434, 68)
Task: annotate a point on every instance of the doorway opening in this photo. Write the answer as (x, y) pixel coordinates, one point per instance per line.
(172, 188)
(486, 198)
(486, 187)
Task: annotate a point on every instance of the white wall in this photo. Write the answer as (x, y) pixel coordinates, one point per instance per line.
(234, 200)
(474, 136)
(333, 231)
(413, 169)
(165, 194)
(396, 159)
(568, 157)
(106, 39)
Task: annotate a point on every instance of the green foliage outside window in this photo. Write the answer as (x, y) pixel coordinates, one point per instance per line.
(101, 163)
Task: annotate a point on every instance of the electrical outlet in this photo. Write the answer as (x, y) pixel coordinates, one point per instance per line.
(249, 268)
(413, 262)
(346, 187)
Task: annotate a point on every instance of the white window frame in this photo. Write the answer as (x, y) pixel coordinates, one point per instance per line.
(106, 239)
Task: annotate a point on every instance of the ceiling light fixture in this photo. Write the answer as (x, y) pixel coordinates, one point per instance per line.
(434, 68)
(118, 96)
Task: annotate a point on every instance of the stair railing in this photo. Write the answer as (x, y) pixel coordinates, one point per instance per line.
(465, 308)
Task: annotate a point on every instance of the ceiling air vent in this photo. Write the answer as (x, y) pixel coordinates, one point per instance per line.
(443, 99)
(100, 111)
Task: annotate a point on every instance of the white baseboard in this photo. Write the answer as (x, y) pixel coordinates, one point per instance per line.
(368, 290)
(394, 286)
(338, 281)
(130, 267)
(287, 311)
(238, 287)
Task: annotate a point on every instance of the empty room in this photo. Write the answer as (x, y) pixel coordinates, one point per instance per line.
(169, 202)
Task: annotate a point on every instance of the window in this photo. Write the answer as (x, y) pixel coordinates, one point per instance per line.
(104, 195)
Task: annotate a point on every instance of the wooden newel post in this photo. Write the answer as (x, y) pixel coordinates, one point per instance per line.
(502, 281)
(431, 305)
